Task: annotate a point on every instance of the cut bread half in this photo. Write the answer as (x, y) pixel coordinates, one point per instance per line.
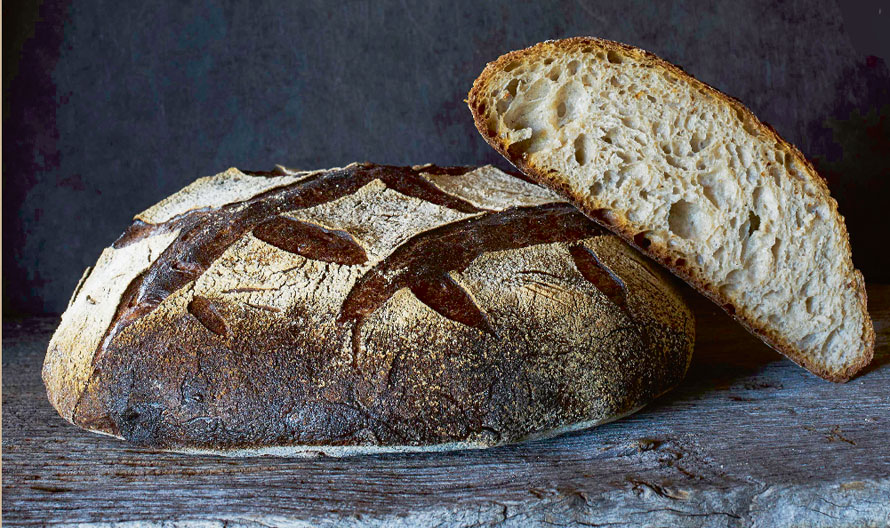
(692, 178)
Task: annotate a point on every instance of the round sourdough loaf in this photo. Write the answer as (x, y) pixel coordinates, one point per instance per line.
(363, 309)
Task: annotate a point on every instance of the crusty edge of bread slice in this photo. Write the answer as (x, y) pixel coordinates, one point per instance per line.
(620, 226)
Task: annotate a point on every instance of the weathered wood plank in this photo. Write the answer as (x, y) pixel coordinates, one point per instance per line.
(748, 439)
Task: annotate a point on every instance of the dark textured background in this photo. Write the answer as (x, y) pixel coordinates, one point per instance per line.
(109, 106)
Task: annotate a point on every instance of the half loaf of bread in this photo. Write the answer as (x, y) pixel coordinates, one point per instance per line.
(691, 177)
(363, 309)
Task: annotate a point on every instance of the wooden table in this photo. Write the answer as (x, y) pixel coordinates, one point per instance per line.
(748, 439)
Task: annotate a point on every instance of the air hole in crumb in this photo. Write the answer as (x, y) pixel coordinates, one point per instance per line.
(619, 177)
(745, 230)
(641, 240)
(538, 90)
(753, 222)
(791, 167)
(776, 174)
(672, 161)
(534, 144)
(697, 142)
(520, 148)
(581, 149)
(512, 66)
(570, 101)
(714, 189)
(651, 98)
(614, 57)
(680, 263)
(512, 87)
(492, 126)
(776, 249)
(685, 219)
(548, 61)
(573, 67)
(596, 188)
(730, 309)
(554, 73)
(504, 104)
(614, 82)
(711, 195)
(747, 122)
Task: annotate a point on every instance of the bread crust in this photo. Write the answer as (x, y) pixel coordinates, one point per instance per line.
(659, 252)
(369, 309)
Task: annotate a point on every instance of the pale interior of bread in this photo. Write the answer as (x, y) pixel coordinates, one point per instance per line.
(694, 175)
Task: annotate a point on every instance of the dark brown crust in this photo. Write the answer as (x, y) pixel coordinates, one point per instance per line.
(218, 228)
(207, 233)
(311, 241)
(220, 375)
(657, 252)
(457, 245)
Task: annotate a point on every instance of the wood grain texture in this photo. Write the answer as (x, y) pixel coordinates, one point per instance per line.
(749, 439)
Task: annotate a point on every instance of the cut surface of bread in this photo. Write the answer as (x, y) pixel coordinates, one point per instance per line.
(361, 310)
(692, 178)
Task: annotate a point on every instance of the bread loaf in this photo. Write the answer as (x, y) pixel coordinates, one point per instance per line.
(692, 178)
(363, 309)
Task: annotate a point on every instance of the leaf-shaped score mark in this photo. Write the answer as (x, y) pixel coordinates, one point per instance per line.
(607, 282)
(311, 241)
(449, 299)
(208, 315)
(423, 262)
(599, 276)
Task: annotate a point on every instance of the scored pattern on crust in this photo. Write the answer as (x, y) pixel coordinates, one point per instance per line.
(458, 244)
(206, 234)
(282, 281)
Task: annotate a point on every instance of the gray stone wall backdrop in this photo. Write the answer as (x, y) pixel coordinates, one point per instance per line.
(109, 106)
